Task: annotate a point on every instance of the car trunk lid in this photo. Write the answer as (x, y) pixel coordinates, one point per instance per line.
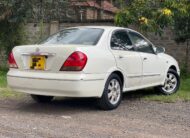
(43, 57)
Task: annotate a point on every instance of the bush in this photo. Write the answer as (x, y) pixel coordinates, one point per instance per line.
(12, 19)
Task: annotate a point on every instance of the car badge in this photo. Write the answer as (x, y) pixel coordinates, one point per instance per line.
(37, 50)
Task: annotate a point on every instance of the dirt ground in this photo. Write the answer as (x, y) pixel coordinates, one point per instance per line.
(80, 118)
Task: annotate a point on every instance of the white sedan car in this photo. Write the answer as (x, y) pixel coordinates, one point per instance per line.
(92, 61)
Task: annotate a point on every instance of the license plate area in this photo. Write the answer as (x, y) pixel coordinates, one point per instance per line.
(38, 62)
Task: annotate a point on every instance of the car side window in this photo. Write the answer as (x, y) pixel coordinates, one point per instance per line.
(142, 45)
(121, 41)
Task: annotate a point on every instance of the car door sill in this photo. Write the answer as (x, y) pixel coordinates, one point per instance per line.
(140, 87)
(146, 75)
(151, 75)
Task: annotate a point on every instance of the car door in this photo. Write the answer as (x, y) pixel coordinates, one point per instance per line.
(153, 65)
(127, 59)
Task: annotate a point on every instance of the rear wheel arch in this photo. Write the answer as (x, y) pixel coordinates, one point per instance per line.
(120, 74)
(117, 72)
(173, 68)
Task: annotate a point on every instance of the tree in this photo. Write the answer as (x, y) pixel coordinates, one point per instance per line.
(155, 16)
(12, 17)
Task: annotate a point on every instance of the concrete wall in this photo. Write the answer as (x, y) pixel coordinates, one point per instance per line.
(167, 40)
(35, 31)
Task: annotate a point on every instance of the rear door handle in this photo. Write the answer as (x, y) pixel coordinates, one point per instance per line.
(120, 57)
(145, 58)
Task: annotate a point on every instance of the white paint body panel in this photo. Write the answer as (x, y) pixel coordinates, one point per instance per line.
(102, 61)
(57, 84)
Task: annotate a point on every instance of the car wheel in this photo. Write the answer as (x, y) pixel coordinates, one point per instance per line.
(42, 99)
(172, 83)
(112, 95)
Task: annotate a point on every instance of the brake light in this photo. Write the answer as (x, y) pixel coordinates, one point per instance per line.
(75, 62)
(11, 60)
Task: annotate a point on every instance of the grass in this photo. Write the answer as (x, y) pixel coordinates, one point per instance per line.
(4, 91)
(149, 94)
(3, 80)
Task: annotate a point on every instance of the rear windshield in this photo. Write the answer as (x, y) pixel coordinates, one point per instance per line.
(78, 36)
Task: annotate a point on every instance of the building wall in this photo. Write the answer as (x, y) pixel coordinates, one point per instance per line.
(167, 40)
(66, 25)
(35, 31)
(107, 15)
(91, 14)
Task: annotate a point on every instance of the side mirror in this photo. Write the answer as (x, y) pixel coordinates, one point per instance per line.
(160, 50)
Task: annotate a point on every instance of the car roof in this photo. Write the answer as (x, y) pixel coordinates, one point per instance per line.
(104, 27)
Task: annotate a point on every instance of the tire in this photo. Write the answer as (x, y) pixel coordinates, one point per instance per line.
(172, 83)
(112, 94)
(42, 99)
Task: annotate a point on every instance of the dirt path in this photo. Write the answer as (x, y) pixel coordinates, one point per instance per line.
(80, 118)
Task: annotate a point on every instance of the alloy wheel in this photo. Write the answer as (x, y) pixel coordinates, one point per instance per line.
(114, 91)
(170, 83)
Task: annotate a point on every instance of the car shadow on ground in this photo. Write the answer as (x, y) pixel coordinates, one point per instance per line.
(139, 94)
(74, 105)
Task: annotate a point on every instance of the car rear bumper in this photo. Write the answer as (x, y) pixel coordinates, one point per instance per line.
(56, 84)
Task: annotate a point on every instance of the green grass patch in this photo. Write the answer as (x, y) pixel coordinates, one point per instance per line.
(4, 91)
(179, 96)
(3, 80)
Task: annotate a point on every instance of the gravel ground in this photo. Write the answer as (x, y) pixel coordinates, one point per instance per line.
(80, 118)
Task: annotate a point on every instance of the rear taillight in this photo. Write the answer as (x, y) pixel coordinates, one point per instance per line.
(75, 62)
(11, 60)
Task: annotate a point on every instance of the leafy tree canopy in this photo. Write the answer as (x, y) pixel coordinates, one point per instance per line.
(15, 10)
(154, 16)
(12, 17)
